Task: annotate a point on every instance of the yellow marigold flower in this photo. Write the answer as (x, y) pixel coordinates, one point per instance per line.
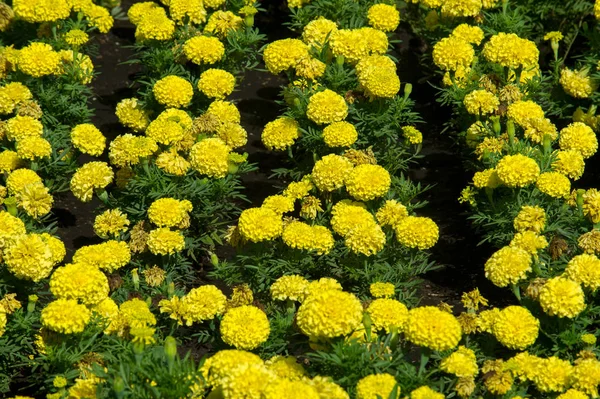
(91, 176)
(524, 111)
(340, 134)
(391, 213)
(299, 190)
(554, 184)
(509, 50)
(183, 11)
(412, 135)
(554, 36)
(376, 386)
(291, 287)
(9, 161)
(425, 392)
(282, 55)
(387, 314)
(367, 182)
(245, 327)
(11, 228)
(539, 128)
(572, 394)
(326, 107)
(585, 377)
(9, 304)
(461, 8)
(580, 137)
(216, 83)
(202, 303)
(490, 145)
(218, 367)
(570, 163)
(203, 50)
(81, 282)
(169, 212)
(286, 367)
(329, 314)
(461, 363)
(499, 380)
(316, 31)
(310, 68)
(311, 238)
(35, 199)
(382, 290)
(417, 232)
(577, 83)
(553, 375)
(220, 23)
(154, 276)
(163, 241)
(210, 157)
(38, 59)
(284, 388)
(280, 134)
(529, 241)
(330, 172)
(323, 284)
(468, 33)
(346, 214)
(591, 204)
(279, 203)
(224, 111)
(41, 10)
(155, 25)
(481, 102)
(509, 265)
(379, 82)
(165, 131)
(19, 127)
(131, 115)
(473, 299)
(350, 44)
(109, 255)
(128, 150)
(530, 218)
(327, 388)
(19, 179)
(451, 53)
(88, 139)
(65, 316)
(486, 178)
(517, 170)
(247, 380)
(173, 163)
(98, 17)
(233, 134)
(11, 95)
(383, 17)
(375, 41)
(311, 206)
(76, 37)
(590, 242)
(589, 339)
(33, 148)
(515, 327)
(562, 297)
(365, 238)
(260, 224)
(29, 257)
(137, 11)
(432, 328)
(173, 91)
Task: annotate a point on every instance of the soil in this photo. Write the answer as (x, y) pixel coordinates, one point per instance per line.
(441, 167)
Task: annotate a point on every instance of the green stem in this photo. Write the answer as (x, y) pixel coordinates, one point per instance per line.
(517, 291)
(425, 354)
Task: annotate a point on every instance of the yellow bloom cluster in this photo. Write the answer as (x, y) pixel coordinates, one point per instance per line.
(432, 328)
(329, 314)
(577, 83)
(326, 107)
(173, 91)
(509, 50)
